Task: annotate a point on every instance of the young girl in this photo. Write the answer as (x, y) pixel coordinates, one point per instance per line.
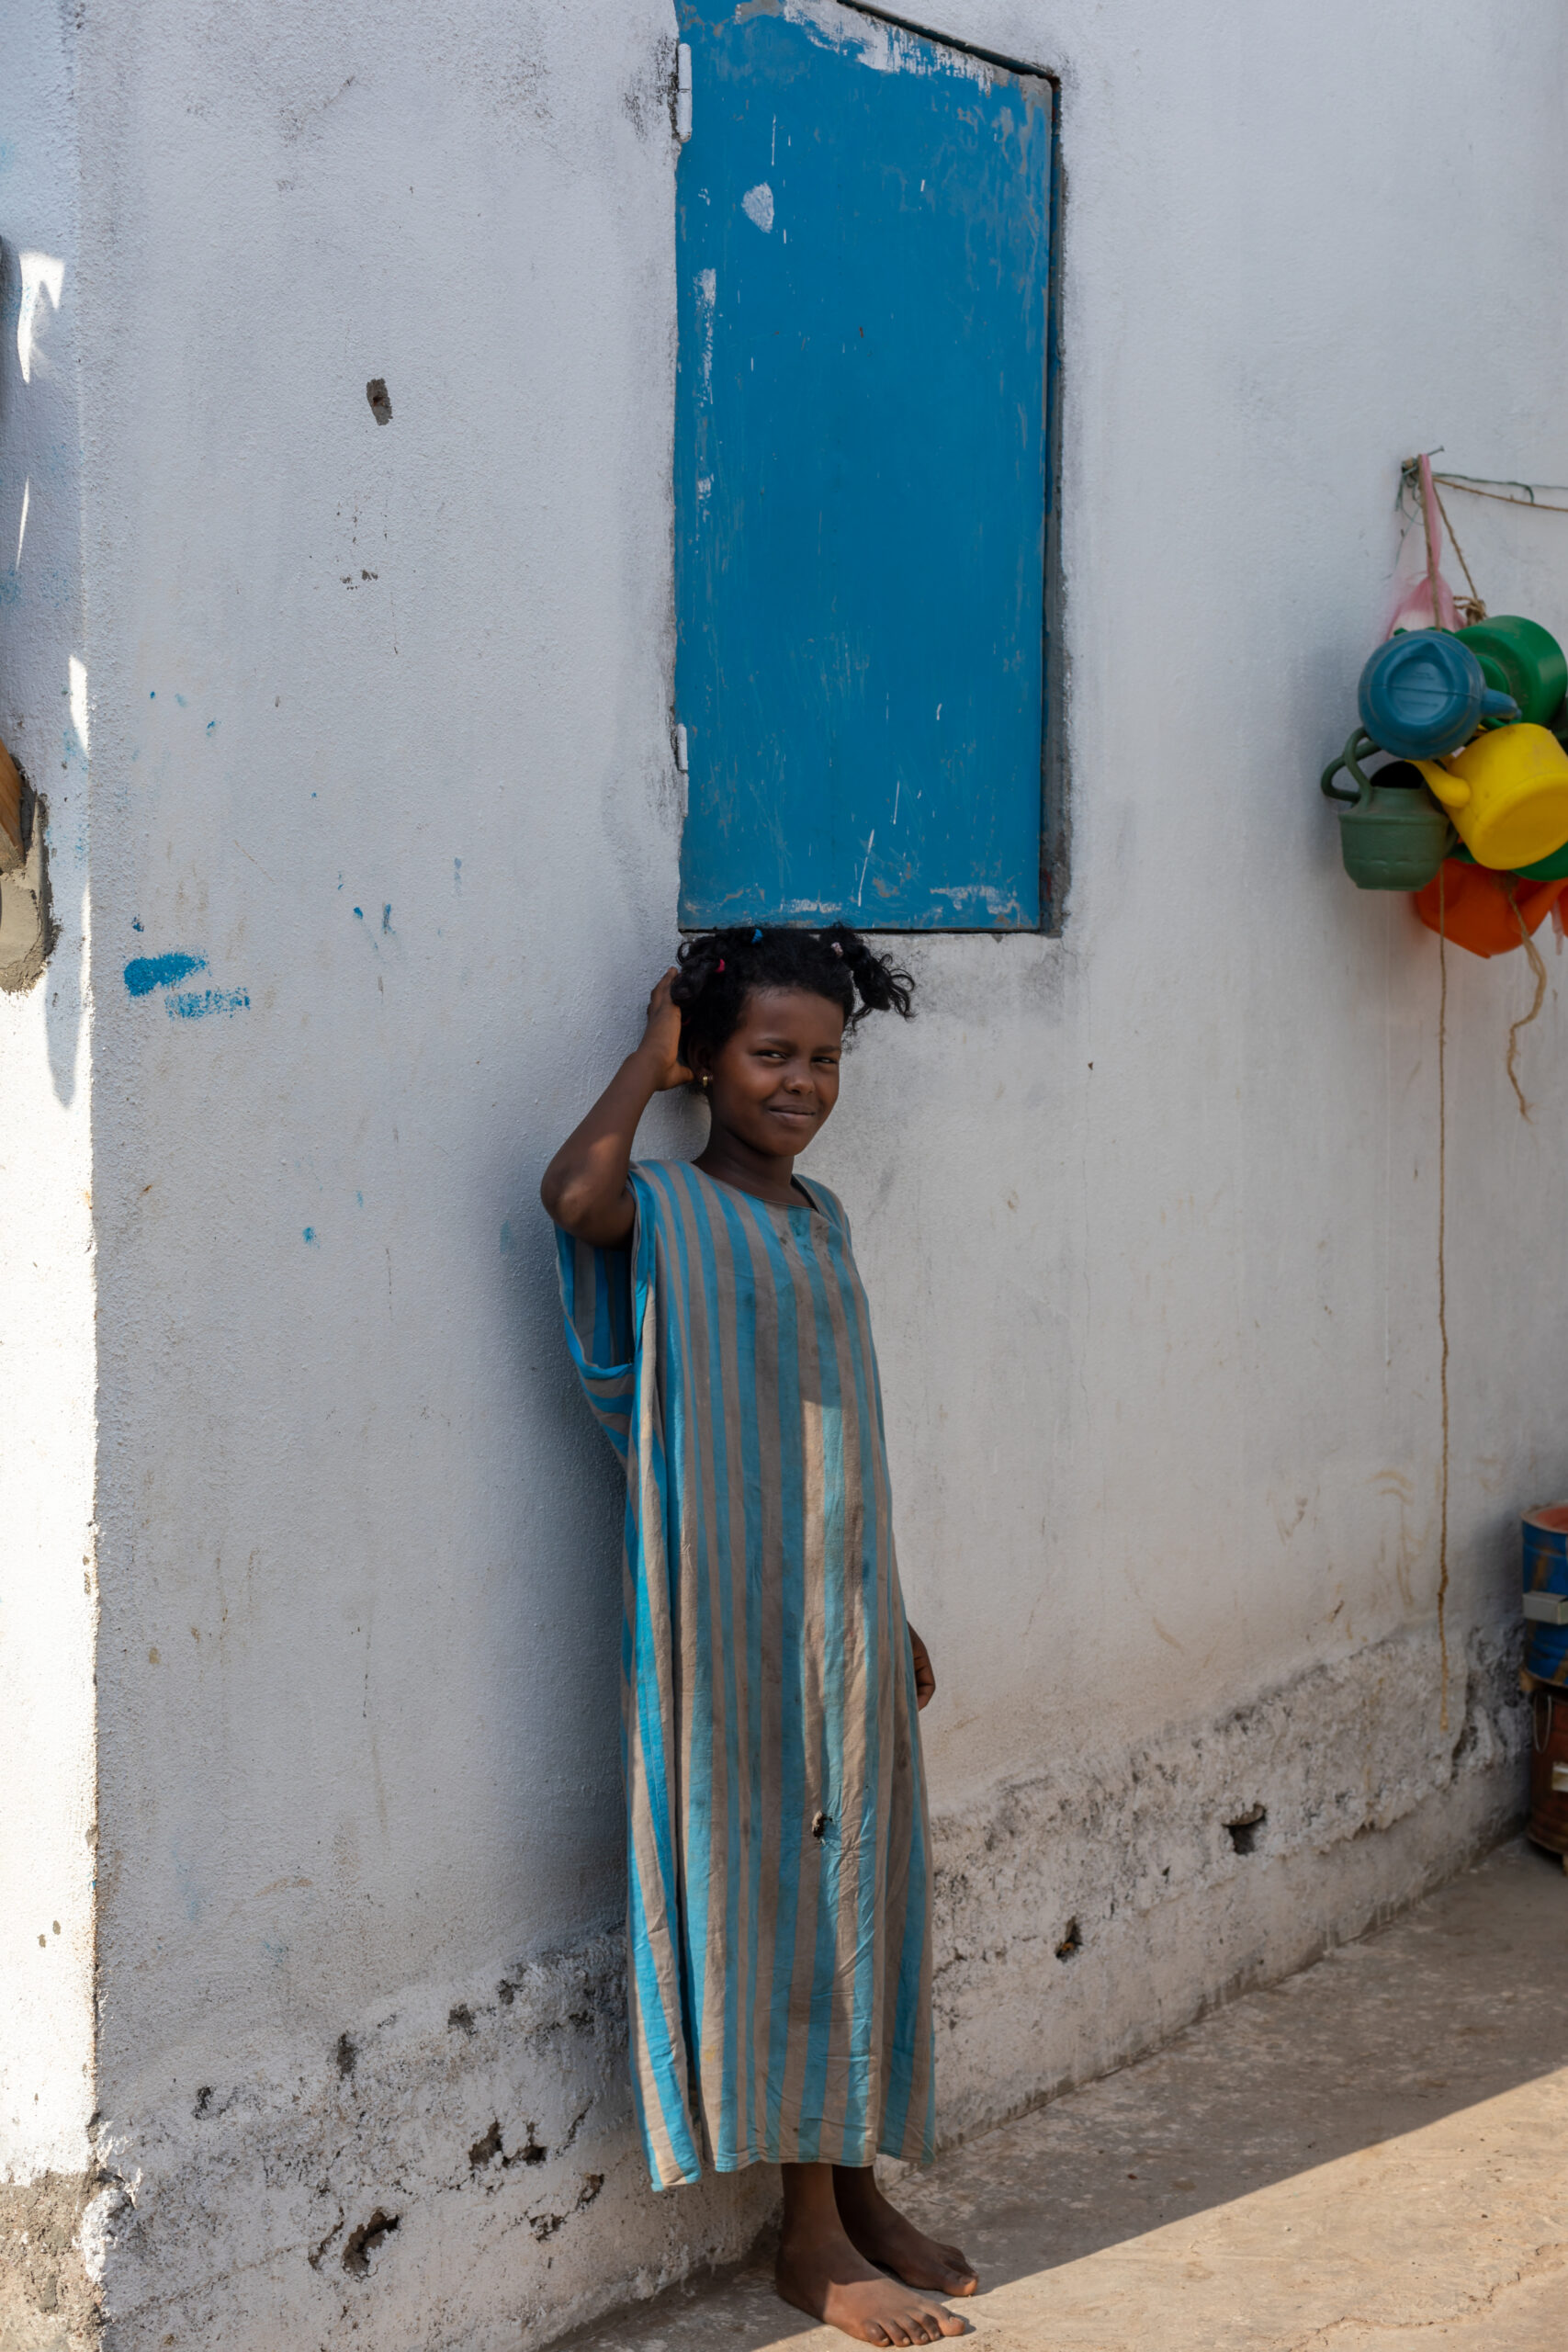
(779, 1903)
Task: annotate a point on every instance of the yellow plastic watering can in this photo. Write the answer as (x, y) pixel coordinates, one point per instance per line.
(1507, 794)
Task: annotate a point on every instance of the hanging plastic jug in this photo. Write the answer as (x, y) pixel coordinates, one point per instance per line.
(1521, 659)
(1507, 794)
(1424, 694)
(1393, 836)
(1489, 913)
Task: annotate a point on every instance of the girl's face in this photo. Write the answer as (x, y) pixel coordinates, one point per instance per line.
(774, 1082)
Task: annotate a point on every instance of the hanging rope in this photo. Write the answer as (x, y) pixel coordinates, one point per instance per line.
(1482, 486)
(1539, 968)
(1443, 1280)
(1423, 476)
(1473, 605)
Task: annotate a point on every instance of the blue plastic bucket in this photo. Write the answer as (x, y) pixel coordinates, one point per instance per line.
(1546, 1654)
(1545, 1563)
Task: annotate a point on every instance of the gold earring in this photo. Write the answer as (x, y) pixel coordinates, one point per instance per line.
(704, 1081)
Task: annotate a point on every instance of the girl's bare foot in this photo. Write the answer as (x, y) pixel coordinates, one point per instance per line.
(820, 2273)
(882, 2234)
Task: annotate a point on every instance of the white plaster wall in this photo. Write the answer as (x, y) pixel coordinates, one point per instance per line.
(1148, 1213)
(46, 1240)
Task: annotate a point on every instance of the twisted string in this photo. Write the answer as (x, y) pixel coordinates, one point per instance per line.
(1443, 1278)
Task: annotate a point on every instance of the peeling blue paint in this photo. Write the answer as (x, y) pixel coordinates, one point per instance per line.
(195, 1004)
(145, 973)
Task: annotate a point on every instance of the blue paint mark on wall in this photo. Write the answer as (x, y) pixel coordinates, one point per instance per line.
(145, 973)
(506, 1242)
(309, 1238)
(860, 476)
(195, 1004)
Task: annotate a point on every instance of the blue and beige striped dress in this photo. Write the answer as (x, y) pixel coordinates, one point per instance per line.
(778, 1899)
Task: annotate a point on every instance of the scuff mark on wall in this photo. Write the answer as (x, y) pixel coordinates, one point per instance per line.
(458, 2157)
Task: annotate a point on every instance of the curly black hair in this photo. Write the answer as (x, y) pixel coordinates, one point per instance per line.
(719, 969)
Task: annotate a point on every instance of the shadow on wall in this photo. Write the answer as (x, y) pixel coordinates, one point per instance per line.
(566, 1540)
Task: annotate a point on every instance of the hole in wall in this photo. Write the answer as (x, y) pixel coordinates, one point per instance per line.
(381, 404)
(1072, 1941)
(364, 2241)
(1243, 1832)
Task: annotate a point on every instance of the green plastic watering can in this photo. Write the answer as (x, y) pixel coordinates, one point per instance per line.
(1392, 835)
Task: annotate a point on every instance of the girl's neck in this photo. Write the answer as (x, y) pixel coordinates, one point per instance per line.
(766, 1175)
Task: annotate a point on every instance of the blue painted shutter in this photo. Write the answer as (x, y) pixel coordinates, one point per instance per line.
(861, 450)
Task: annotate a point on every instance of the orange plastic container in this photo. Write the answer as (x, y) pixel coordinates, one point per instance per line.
(1476, 911)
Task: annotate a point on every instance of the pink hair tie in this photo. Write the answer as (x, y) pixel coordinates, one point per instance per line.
(721, 963)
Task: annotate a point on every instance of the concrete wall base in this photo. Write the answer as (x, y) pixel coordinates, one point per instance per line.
(1086, 1916)
(462, 2167)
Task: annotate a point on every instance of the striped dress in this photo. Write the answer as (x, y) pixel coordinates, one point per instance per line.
(778, 1899)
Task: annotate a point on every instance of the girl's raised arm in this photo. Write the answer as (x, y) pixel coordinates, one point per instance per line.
(584, 1187)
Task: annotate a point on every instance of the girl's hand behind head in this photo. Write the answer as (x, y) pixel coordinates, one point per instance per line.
(661, 1047)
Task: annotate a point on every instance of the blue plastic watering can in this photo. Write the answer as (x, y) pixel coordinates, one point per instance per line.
(1424, 695)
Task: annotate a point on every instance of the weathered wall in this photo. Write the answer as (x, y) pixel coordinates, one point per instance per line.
(380, 725)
